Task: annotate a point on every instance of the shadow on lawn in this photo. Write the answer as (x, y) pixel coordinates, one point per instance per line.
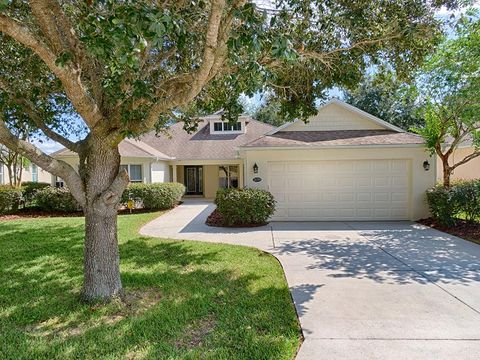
(248, 315)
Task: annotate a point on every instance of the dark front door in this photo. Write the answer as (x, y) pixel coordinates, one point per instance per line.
(194, 180)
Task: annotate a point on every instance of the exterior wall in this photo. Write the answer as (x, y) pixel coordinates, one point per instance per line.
(420, 180)
(145, 162)
(334, 117)
(210, 173)
(160, 172)
(43, 176)
(210, 181)
(470, 170)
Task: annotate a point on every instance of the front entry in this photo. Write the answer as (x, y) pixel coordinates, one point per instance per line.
(194, 180)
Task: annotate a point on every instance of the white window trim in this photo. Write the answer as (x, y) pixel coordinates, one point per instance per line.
(229, 176)
(2, 174)
(225, 123)
(34, 173)
(141, 172)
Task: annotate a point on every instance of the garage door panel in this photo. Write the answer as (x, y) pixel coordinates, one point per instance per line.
(341, 190)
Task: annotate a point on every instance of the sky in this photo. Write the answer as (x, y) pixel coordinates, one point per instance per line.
(50, 146)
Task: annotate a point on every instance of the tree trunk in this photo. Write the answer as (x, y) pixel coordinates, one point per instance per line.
(447, 171)
(101, 254)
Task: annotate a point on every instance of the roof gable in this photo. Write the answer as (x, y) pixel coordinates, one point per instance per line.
(337, 115)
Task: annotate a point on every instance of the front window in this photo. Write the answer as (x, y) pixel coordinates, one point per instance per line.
(134, 172)
(226, 126)
(2, 180)
(228, 176)
(34, 173)
(59, 182)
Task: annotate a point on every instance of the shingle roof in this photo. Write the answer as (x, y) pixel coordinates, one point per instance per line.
(336, 138)
(127, 148)
(203, 145)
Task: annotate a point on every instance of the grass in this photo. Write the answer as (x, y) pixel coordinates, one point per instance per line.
(187, 300)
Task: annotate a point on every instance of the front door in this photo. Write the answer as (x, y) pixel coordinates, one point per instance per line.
(194, 180)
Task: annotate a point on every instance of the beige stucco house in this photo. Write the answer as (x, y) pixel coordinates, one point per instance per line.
(343, 164)
(467, 171)
(29, 173)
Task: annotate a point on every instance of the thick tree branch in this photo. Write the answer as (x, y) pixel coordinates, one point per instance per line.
(29, 109)
(466, 159)
(197, 80)
(56, 167)
(113, 194)
(70, 77)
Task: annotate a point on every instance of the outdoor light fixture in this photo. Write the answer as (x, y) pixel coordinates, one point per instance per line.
(426, 165)
(255, 168)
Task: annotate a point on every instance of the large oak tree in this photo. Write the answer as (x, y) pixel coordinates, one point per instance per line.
(128, 67)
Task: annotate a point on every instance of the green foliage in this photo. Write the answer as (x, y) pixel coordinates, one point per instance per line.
(245, 206)
(441, 204)
(176, 291)
(388, 98)
(29, 190)
(9, 199)
(461, 199)
(56, 199)
(161, 196)
(466, 196)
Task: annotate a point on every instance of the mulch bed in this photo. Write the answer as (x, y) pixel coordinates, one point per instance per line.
(467, 230)
(216, 219)
(33, 213)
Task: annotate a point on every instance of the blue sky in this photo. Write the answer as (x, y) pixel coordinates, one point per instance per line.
(50, 146)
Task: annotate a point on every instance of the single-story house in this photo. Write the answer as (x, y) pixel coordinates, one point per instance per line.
(30, 172)
(342, 164)
(467, 171)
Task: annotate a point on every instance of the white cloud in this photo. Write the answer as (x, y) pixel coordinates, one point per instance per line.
(48, 146)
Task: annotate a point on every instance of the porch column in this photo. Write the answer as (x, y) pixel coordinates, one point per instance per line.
(174, 173)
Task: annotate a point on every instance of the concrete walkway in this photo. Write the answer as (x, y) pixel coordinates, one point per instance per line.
(363, 290)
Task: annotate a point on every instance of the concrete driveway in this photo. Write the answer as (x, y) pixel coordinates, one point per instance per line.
(363, 290)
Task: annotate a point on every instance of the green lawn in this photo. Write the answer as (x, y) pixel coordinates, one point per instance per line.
(187, 300)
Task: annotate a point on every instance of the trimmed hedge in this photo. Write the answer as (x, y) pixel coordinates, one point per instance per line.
(56, 199)
(461, 199)
(29, 189)
(245, 206)
(160, 196)
(9, 199)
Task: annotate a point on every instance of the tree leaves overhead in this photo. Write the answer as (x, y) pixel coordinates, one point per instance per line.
(138, 53)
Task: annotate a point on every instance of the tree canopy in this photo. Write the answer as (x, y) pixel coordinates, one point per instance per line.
(127, 67)
(450, 84)
(384, 95)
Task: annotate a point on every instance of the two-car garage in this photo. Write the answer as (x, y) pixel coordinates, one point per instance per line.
(341, 165)
(341, 189)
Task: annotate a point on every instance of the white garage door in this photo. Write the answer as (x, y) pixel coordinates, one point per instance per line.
(341, 190)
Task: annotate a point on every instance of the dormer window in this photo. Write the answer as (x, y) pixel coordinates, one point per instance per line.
(222, 127)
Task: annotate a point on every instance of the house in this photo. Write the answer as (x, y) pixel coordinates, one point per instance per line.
(467, 171)
(343, 164)
(30, 172)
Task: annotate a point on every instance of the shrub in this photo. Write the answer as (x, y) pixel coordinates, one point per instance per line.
(466, 198)
(243, 207)
(441, 206)
(462, 198)
(29, 190)
(9, 199)
(56, 199)
(159, 196)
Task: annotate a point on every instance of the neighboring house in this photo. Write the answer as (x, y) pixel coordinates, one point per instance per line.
(30, 173)
(343, 164)
(469, 170)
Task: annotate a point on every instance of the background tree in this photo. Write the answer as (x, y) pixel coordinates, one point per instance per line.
(451, 83)
(384, 95)
(131, 66)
